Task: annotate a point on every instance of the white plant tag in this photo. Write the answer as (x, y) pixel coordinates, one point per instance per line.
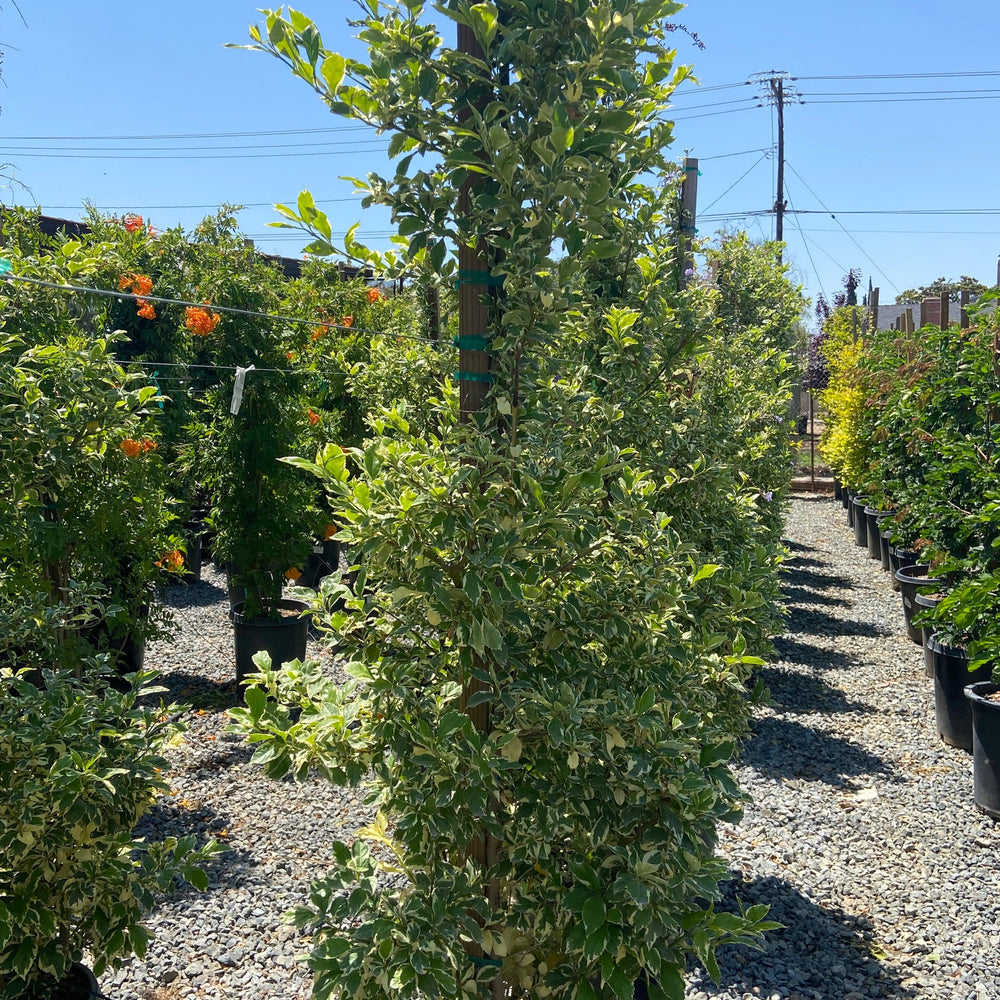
(241, 376)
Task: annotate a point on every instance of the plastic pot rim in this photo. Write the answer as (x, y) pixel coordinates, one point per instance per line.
(237, 617)
(976, 691)
(903, 575)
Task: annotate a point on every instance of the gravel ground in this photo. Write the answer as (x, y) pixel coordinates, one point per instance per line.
(861, 834)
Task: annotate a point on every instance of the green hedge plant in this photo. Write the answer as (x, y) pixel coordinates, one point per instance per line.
(79, 765)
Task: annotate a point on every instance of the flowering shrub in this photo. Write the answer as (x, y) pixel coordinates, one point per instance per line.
(201, 322)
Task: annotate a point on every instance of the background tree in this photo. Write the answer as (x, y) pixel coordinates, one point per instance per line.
(939, 286)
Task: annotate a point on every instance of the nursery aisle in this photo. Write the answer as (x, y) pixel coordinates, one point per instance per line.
(862, 834)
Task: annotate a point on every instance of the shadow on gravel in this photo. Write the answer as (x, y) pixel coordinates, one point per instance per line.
(796, 596)
(812, 580)
(179, 819)
(806, 654)
(802, 693)
(822, 952)
(782, 748)
(194, 595)
(820, 623)
(201, 693)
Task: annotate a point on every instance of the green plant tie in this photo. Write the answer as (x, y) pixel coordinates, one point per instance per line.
(156, 385)
(471, 342)
(5, 266)
(473, 376)
(494, 962)
(469, 277)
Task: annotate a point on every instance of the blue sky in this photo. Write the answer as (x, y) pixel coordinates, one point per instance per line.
(140, 108)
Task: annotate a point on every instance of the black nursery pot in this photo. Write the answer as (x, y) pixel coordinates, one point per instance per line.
(898, 558)
(79, 983)
(952, 709)
(910, 580)
(872, 517)
(324, 560)
(283, 636)
(858, 505)
(923, 602)
(885, 545)
(985, 746)
(838, 490)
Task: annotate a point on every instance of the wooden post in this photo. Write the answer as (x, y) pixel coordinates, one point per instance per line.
(473, 284)
(963, 302)
(433, 307)
(474, 265)
(909, 320)
(873, 306)
(923, 312)
(943, 307)
(689, 205)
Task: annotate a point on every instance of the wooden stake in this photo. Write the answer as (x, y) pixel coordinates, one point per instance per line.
(473, 266)
(963, 301)
(943, 307)
(689, 205)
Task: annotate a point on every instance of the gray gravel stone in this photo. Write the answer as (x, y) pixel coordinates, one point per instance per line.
(861, 833)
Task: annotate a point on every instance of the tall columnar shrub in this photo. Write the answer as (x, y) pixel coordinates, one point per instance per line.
(843, 443)
(541, 568)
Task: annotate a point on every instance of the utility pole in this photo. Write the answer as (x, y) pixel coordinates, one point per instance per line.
(779, 93)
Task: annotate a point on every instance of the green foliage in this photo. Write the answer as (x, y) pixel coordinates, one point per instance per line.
(927, 414)
(79, 765)
(85, 506)
(559, 601)
(941, 286)
(843, 443)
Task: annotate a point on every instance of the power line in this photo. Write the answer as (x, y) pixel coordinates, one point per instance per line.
(705, 90)
(904, 76)
(189, 135)
(735, 182)
(216, 204)
(896, 100)
(234, 310)
(713, 114)
(176, 149)
(839, 223)
(717, 104)
(742, 152)
(904, 93)
(812, 263)
(123, 155)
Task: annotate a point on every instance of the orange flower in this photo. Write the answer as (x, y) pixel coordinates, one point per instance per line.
(374, 295)
(290, 355)
(199, 321)
(320, 331)
(292, 574)
(148, 444)
(146, 310)
(313, 417)
(173, 561)
(347, 321)
(137, 284)
(329, 531)
(131, 447)
(132, 222)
